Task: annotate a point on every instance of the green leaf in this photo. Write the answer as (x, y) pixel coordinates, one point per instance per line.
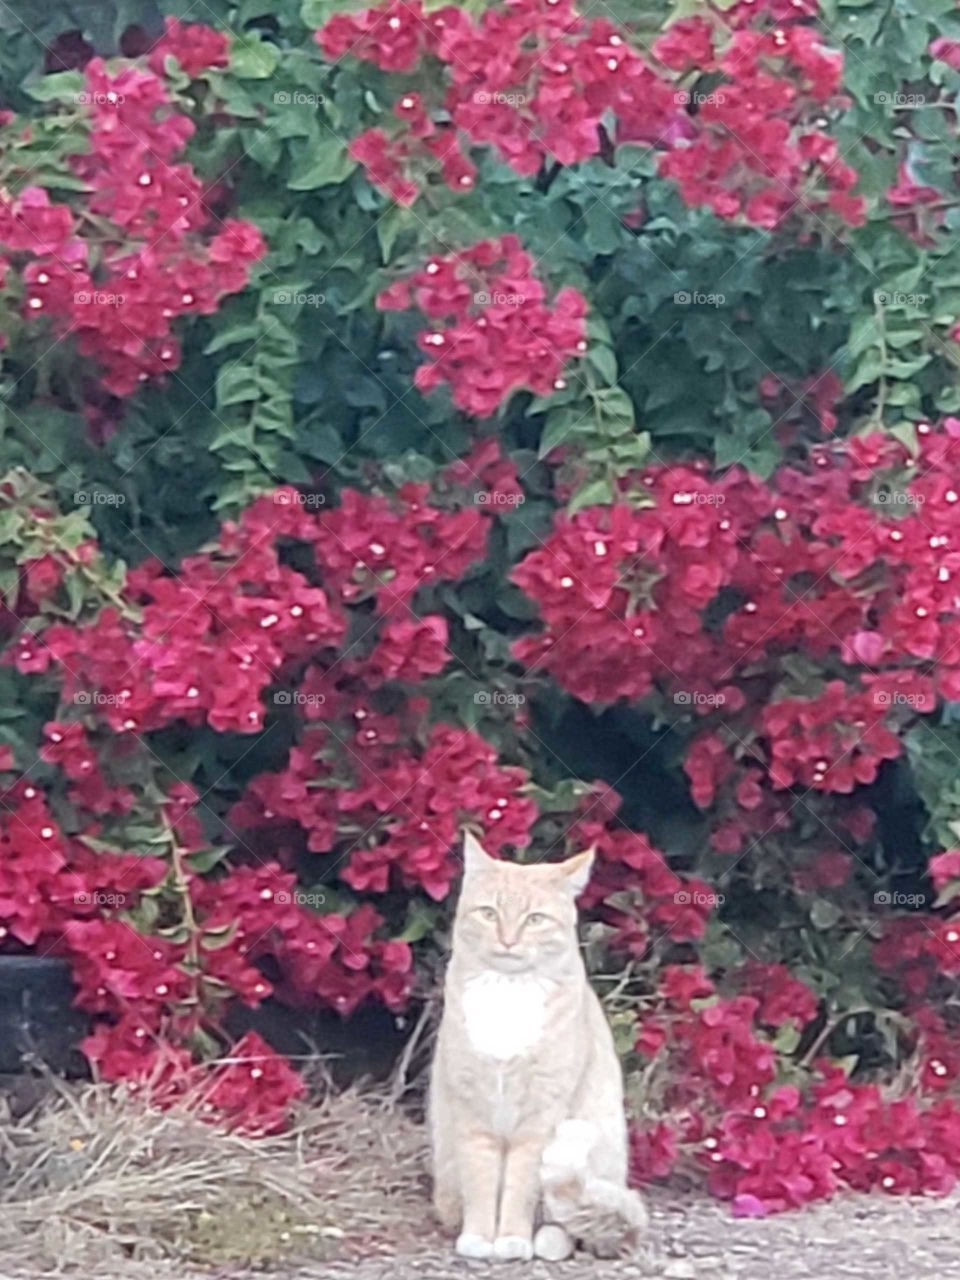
(787, 1039)
(252, 59)
(217, 939)
(616, 409)
(870, 369)
(562, 425)
(62, 86)
(389, 228)
(326, 164)
(236, 384)
(824, 914)
(947, 894)
(203, 860)
(421, 921)
(906, 433)
(605, 363)
(594, 493)
(231, 335)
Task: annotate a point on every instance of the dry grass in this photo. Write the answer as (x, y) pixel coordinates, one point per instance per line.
(95, 1183)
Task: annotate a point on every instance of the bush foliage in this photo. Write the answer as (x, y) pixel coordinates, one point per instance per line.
(493, 415)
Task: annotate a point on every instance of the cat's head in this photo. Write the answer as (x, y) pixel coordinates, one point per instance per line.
(516, 918)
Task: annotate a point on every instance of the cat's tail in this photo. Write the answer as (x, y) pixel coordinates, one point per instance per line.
(607, 1216)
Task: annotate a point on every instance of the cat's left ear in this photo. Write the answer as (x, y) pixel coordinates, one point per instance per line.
(577, 869)
(475, 857)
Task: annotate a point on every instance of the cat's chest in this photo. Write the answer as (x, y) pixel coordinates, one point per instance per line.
(505, 1016)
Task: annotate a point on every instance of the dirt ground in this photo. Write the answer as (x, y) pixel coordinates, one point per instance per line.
(695, 1239)
(92, 1187)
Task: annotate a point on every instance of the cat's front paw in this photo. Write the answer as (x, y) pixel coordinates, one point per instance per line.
(552, 1243)
(473, 1246)
(510, 1248)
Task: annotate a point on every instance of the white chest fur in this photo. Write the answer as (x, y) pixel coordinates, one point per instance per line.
(505, 1015)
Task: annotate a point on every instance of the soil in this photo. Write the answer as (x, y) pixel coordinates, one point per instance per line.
(693, 1238)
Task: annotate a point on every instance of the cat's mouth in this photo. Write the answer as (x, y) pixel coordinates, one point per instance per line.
(514, 956)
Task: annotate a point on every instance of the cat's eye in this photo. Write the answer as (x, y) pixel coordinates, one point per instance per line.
(486, 913)
(537, 917)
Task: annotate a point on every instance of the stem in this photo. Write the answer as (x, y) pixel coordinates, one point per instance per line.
(547, 176)
(828, 1031)
(884, 354)
(181, 881)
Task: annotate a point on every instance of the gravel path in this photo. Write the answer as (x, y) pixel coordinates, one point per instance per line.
(861, 1237)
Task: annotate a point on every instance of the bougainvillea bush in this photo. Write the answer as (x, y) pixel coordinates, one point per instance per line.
(501, 416)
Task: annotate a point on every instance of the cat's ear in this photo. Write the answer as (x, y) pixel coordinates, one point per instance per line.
(577, 869)
(475, 857)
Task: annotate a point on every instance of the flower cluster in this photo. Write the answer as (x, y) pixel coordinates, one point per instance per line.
(540, 83)
(393, 163)
(139, 246)
(194, 46)
(203, 644)
(50, 881)
(375, 548)
(533, 80)
(633, 890)
(760, 150)
(369, 807)
(493, 330)
(848, 560)
(200, 645)
(767, 1146)
(404, 808)
(153, 991)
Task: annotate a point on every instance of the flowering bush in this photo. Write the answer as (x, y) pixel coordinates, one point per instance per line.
(327, 529)
(138, 250)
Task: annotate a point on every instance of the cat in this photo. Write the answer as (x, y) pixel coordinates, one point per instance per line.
(526, 1093)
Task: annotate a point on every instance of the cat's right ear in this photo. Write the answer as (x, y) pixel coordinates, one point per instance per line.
(475, 857)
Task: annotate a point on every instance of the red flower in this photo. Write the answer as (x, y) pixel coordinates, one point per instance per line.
(493, 331)
(195, 47)
(254, 1089)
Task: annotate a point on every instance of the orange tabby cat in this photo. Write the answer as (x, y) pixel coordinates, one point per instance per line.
(526, 1095)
